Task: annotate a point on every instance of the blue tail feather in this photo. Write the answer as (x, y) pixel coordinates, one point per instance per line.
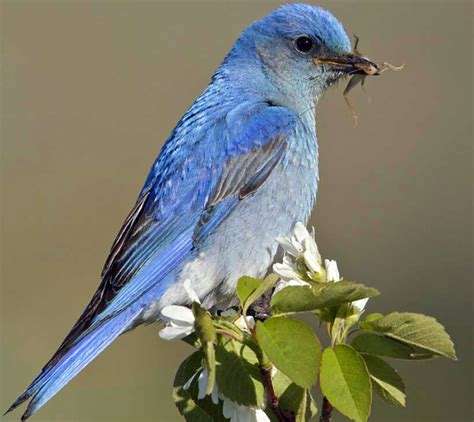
(52, 379)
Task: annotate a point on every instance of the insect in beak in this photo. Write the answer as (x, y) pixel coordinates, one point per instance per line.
(365, 69)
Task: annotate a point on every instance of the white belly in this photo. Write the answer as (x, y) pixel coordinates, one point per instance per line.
(244, 243)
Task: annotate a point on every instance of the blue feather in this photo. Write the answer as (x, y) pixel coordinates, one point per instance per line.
(244, 147)
(78, 357)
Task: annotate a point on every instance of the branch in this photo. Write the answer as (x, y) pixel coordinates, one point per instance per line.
(261, 311)
(326, 410)
(282, 415)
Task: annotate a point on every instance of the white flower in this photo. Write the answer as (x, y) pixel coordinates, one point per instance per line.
(332, 274)
(190, 380)
(300, 242)
(283, 284)
(238, 413)
(299, 248)
(311, 261)
(286, 270)
(245, 325)
(179, 319)
(180, 322)
(359, 305)
(203, 380)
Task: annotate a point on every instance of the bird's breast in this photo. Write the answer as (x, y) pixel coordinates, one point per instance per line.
(244, 243)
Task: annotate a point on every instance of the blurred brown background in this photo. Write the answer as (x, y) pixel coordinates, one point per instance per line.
(91, 89)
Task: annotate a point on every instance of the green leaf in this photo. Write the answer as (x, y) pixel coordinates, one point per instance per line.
(292, 347)
(250, 289)
(371, 317)
(186, 401)
(294, 398)
(245, 286)
(386, 381)
(298, 299)
(417, 330)
(238, 374)
(345, 381)
(375, 344)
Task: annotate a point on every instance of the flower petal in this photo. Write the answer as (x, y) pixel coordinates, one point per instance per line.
(190, 381)
(215, 394)
(311, 248)
(202, 383)
(261, 416)
(311, 262)
(190, 291)
(359, 305)
(284, 271)
(301, 233)
(175, 333)
(244, 326)
(244, 414)
(332, 272)
(229, 408)
(288, 246)
(178, 314)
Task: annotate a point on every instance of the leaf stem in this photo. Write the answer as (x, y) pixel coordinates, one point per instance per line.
(230, 334)
(326, 411)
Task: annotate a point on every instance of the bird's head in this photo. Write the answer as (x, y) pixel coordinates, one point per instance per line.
(297, 51)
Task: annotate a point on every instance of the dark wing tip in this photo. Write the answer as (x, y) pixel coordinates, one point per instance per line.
(25, 396)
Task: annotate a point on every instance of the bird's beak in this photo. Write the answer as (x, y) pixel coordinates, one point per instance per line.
(349, 63)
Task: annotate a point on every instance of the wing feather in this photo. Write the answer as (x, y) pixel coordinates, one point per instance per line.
(194, 192)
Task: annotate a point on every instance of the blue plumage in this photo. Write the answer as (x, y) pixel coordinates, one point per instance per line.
(239, 169)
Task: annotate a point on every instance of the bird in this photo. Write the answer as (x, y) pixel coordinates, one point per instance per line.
(239, 170)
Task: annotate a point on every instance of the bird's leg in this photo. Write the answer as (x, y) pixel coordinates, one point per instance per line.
(260, 309)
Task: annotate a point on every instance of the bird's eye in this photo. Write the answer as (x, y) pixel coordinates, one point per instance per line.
(304, 44)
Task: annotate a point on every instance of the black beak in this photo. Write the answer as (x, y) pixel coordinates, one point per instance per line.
(350, 63)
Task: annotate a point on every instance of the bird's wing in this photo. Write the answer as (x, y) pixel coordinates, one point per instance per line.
(194, 184)
(188, 192)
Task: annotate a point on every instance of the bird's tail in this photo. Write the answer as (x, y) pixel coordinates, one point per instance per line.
(56, 376)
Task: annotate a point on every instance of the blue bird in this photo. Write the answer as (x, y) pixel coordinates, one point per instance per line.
(239, 169)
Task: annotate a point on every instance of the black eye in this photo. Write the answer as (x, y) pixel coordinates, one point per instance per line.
(304, 44)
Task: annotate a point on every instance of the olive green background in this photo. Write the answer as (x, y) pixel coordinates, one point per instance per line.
(91, 89)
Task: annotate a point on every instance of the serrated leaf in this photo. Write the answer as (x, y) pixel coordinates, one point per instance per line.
(238, 375)
(298, 299)
(375, 344)
(417, 330)
(186, 401)
(371, 317)
(345, 381)
(294, 398)
(385, 380)
(292, 347)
